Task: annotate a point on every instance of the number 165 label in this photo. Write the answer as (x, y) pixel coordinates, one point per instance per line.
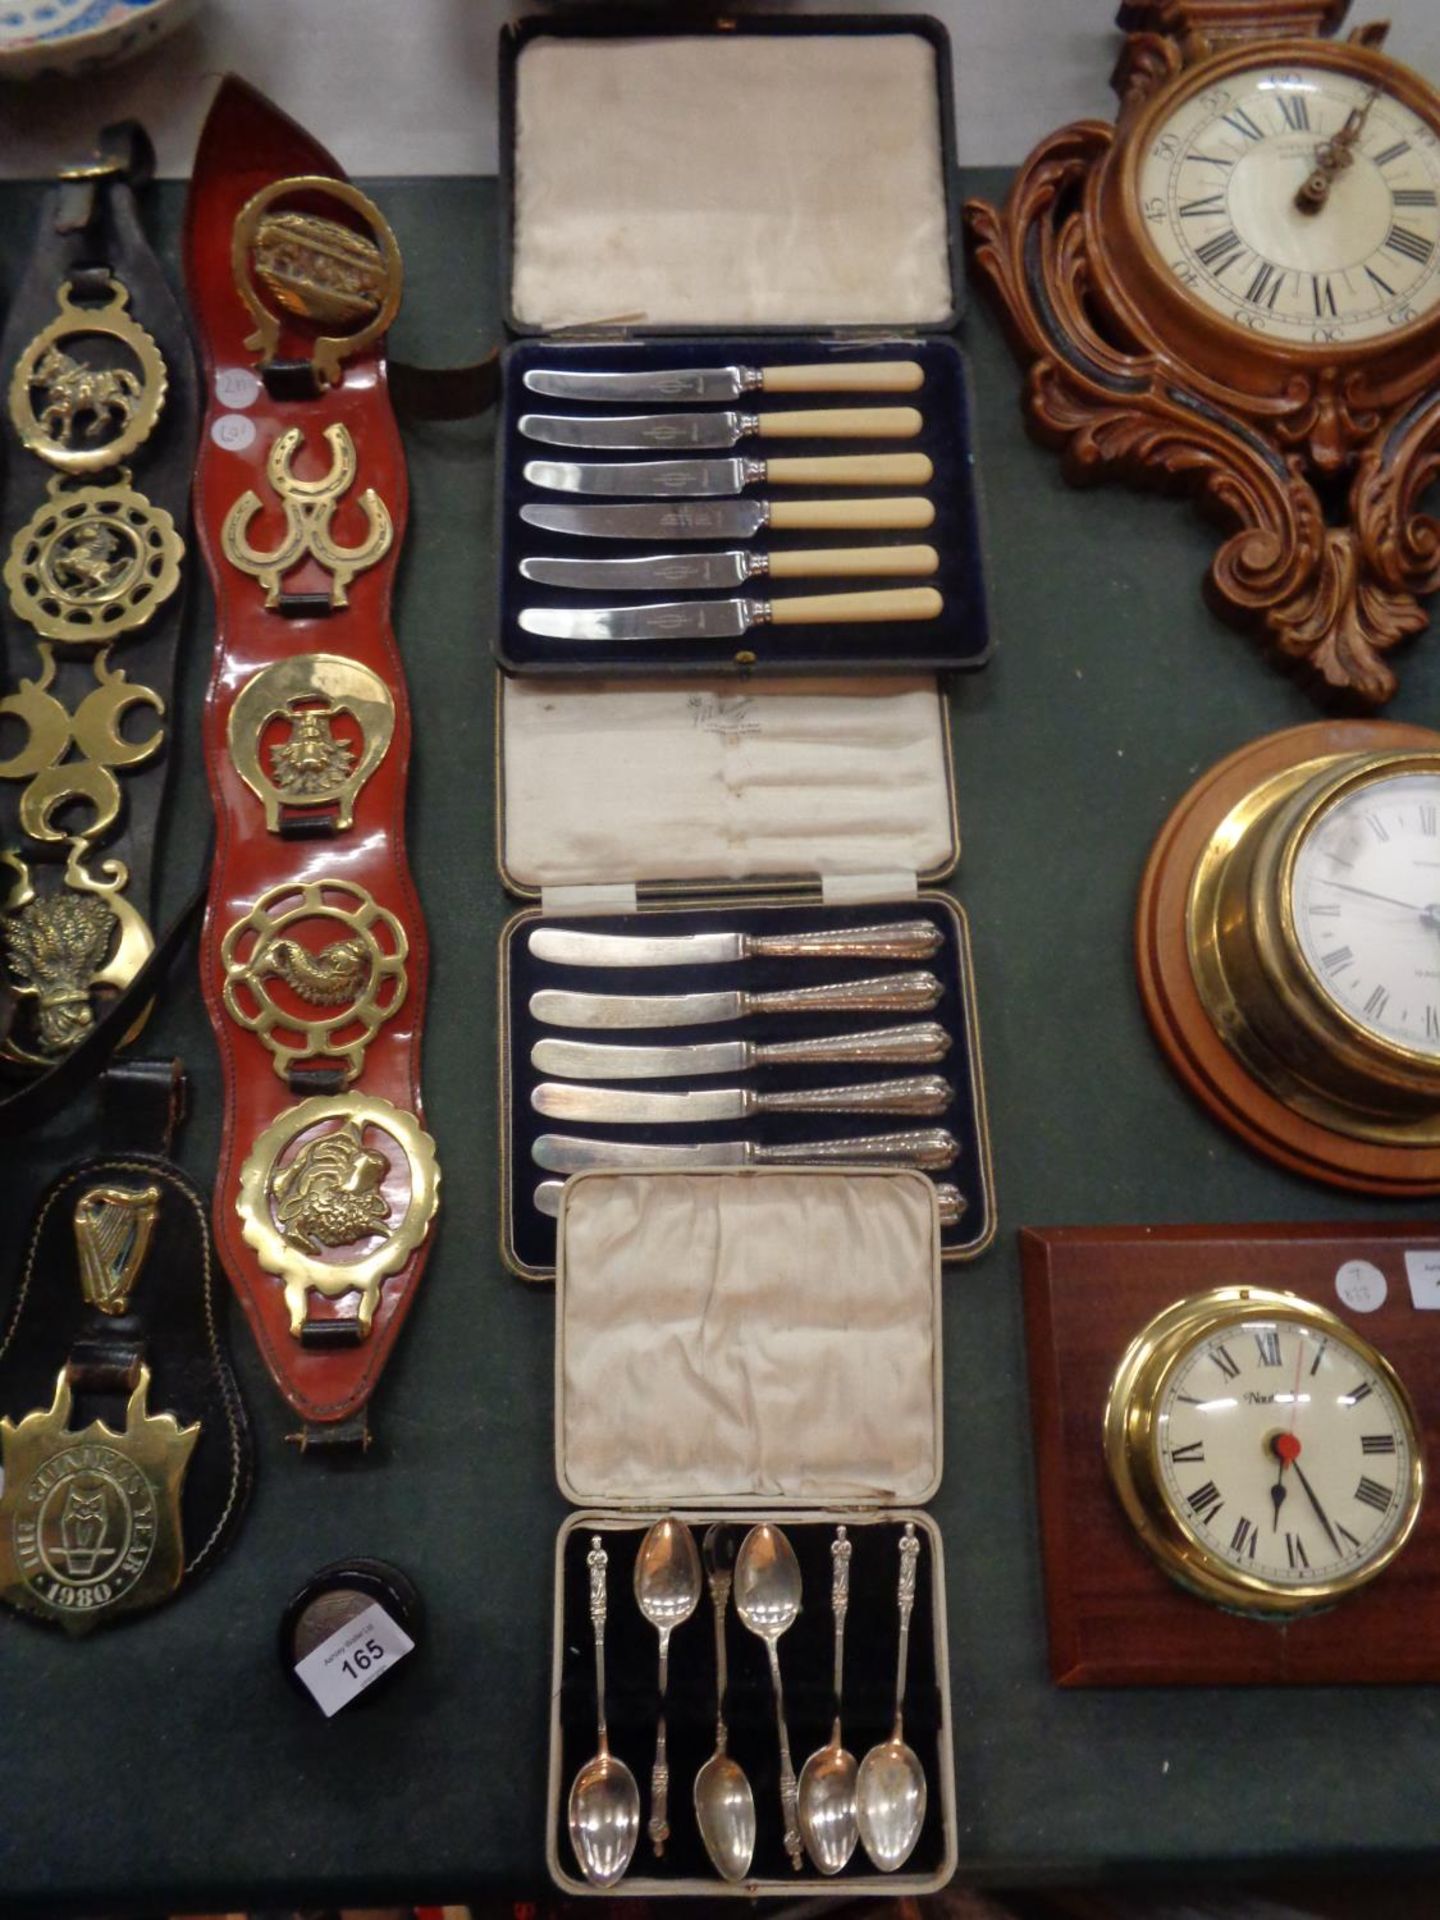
(353, 1658)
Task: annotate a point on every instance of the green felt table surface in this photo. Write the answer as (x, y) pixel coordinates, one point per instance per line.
(169, 1758)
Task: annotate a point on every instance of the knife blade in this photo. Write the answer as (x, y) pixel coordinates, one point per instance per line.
(924, 1093)
(687, 572)
(728, 619)
(891, 993)
(949, 1200)
(700, 478)
(578, 947)
(721, 428)
(926, 1147)
(919, 1044)
(707, 384)
(728, 519)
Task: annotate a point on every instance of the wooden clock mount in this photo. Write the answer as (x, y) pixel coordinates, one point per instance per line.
(1313, 451)
(1115, 1619)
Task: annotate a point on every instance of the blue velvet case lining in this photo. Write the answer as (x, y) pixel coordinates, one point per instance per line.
(958, 639)
(530, 1235)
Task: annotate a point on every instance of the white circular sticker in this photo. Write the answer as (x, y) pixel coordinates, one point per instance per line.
(236, 387)
(233, 432)
(1361, 1286)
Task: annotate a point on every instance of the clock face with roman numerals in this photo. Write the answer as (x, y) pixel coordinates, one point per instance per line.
(1284, 1453)
(1365, 903)
(1222, 190)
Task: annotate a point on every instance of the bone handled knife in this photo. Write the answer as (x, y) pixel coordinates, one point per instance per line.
(728, 619)
(730, 519)
(891, 993)
(577, 947)
(923, 1094)
(637, 431)
(689, 572)
(927, 1148)
(701, 478)
(705, 385)
(920, 1044)
(950, 1202)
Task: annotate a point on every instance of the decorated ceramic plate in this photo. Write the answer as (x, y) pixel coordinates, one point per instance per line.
(70, 36)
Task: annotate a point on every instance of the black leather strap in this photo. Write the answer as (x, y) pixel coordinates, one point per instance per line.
(90, 233)
(142, 1105)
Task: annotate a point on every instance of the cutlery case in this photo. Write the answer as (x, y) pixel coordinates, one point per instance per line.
(777, 1334)
(657, 807)
(749, 191)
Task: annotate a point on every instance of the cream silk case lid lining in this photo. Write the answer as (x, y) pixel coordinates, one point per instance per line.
(768, 1335)
(735, 180)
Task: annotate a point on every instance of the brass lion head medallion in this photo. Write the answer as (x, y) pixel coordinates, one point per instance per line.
(303, 705)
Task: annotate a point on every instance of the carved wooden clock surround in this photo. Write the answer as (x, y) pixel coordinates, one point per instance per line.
(1315, 455)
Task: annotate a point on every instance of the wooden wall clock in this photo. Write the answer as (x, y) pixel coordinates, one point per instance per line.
(1284, 1535)
(1235, 290)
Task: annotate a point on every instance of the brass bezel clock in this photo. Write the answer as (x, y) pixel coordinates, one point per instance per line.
(1296, 391)
(1336, 1538)
(1284, 944)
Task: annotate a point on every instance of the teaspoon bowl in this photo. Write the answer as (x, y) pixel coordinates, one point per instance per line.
(725, 1815)
(890, 1803)
(604, 1819)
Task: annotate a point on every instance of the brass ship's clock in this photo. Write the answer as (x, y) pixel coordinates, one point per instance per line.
(1269, 1458)
(1289, 949)
(1236, 289)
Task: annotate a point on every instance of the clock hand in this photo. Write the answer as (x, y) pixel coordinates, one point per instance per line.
(1286, 1446)
(1385, 898)
(1333, 156)
(1319, 1510)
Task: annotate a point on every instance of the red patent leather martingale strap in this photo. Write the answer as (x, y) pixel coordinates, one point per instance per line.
(246, 144)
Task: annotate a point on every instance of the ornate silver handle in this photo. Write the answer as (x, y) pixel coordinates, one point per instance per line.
(917, 1045)
(925, 1093)
(597, 1560)
(893, 993)
(902, 940)
(909, 1555)
(841, 1549)
(952, 1204)
(927, 1147)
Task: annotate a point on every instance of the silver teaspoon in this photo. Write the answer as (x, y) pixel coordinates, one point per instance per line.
(724, 1804)
(767, 1599)
(828, 1819)
(667, 1592)
(890, 1789)
(604, 1800)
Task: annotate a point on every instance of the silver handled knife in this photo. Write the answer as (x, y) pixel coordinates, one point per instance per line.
(923, 1094)
(697, 479)
(927, 1148)
(704, 385)
(920, 1044)
(730, 519)
(728, 619)
(689, 572)
(637, 431)
(950, 1201)
(892, 993)
(577, 947)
